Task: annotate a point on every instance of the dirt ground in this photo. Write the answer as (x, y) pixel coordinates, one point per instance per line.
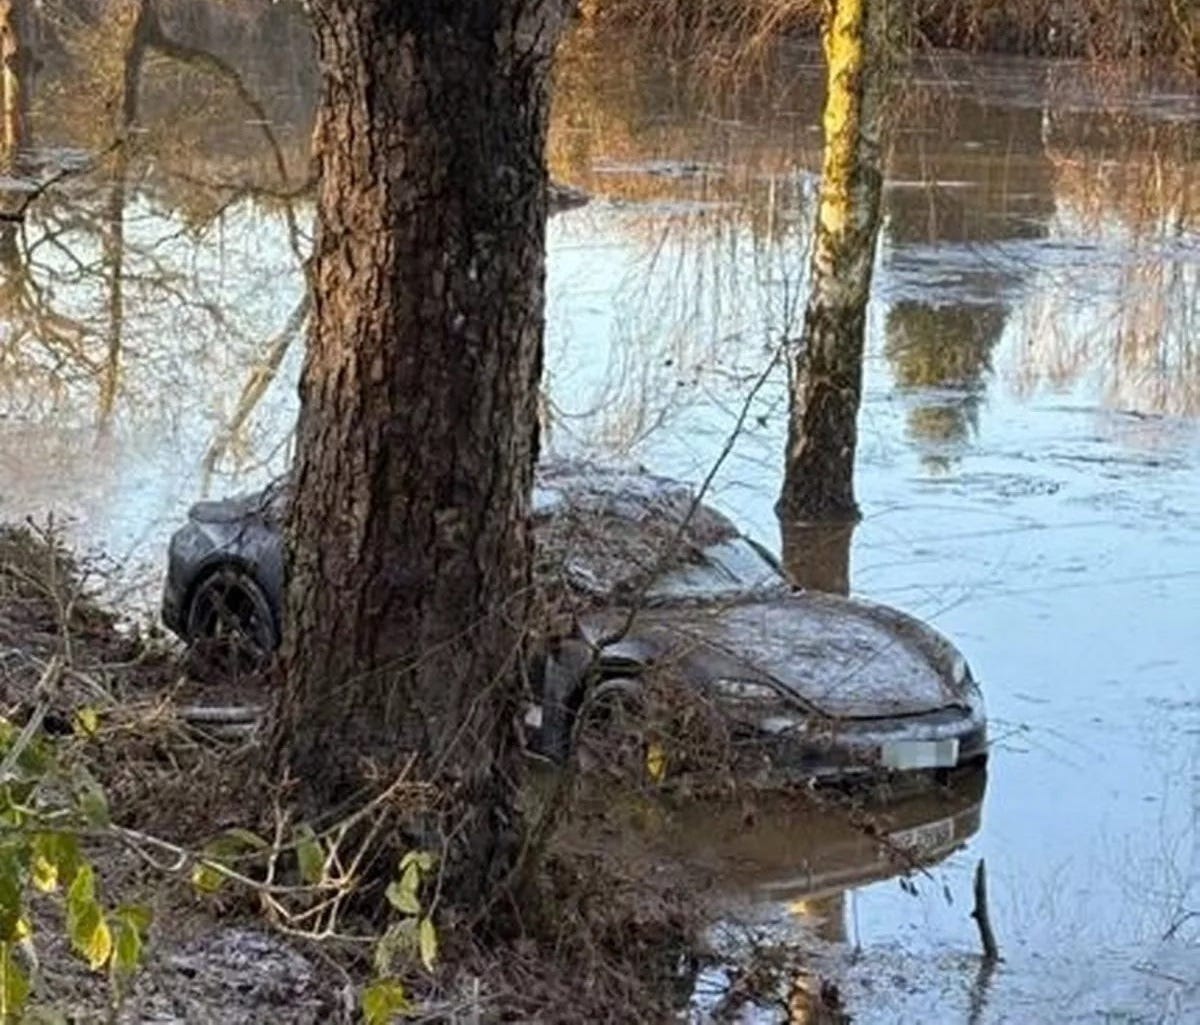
(60, 653)
(607, 942)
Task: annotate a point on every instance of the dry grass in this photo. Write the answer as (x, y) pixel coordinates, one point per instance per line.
(598, 933)
(1092, 29)
(162, 774)
(592, 941)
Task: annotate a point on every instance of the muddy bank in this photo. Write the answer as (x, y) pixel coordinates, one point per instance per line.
(617, 927)
(595, 940)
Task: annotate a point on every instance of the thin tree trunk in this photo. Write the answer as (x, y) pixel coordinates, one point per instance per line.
(12, 137)
(262, 376)
(826, 368)
(408, 541)
(140, 18)
(14, 79)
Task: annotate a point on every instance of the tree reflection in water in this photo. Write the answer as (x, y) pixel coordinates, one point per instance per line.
(817, 557)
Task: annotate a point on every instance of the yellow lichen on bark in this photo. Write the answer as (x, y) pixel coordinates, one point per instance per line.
(826, 361)
(845, 56)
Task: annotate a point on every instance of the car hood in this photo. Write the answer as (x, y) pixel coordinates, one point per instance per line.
(841, 657)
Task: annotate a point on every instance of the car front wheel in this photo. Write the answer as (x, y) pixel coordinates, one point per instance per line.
(230, 628)
(611, 730)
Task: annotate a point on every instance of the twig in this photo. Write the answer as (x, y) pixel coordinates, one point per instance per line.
(45, 687)
(1182, 919)
(221, 713)
(669, 550)
(991, 952)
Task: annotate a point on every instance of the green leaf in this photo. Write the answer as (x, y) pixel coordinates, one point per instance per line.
(90, 935)
(391, 945)
(310, 855)
(86, 926)
(83, 888)
(422, 860)
(402, 893)
(34, 762)
(99, 945)
(383, 1000)
(246, 840)
(43, 873)
(136, 915)
(90, 797)
(55, 859)
(86, 722)
(14, 987)
(132, 921)
(127, 953)
(428, 940)
(207, 878)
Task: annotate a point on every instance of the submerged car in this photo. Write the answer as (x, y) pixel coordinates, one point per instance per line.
(650, 585)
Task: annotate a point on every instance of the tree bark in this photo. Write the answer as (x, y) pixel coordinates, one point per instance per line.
(15, 71)
(817, 555)
(408, 541)
(826, 365)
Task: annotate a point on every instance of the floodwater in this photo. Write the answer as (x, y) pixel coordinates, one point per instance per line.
(1029, 464)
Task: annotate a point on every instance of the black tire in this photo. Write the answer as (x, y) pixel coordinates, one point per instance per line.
(230, 627)
(610, 731)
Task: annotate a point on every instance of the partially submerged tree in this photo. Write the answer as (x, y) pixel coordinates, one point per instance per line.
(826, 364)
(817, 555)
(408, 544)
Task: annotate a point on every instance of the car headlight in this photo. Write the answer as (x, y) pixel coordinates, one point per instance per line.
(960, 672)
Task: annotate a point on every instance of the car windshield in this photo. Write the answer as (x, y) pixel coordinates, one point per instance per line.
(607, 535)
(729, 571)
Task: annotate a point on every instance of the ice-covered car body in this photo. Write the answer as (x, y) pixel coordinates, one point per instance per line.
(813, 686)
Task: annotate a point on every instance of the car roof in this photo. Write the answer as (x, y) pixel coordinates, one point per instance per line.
(608, 533)
(603, 533)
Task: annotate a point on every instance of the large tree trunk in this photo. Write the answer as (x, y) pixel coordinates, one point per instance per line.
(408, 541)
(826, 368)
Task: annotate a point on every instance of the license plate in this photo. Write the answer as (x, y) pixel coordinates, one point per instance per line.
(919, 754)
(933, 836)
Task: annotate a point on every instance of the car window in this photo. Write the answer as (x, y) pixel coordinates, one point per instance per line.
(606, 534)
(732, 569)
